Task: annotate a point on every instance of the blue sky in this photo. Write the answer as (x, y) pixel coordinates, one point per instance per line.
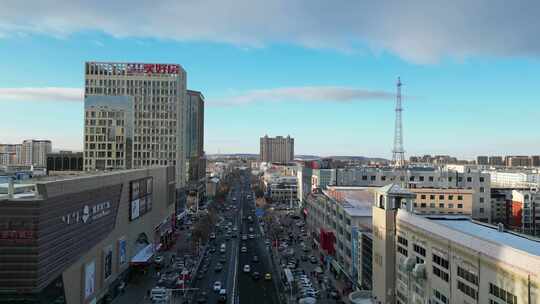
(331, 89)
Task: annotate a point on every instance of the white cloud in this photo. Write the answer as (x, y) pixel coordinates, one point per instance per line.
(306, 94)
(417, 30)
(41, 94)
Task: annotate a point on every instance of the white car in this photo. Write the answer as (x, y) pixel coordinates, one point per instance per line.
(247, 268)
(251, 236)
(217, 286)
(243, 249)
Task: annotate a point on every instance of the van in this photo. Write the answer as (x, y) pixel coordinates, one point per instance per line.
(223, 248)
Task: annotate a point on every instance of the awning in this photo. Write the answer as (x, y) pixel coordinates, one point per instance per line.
(144, 255)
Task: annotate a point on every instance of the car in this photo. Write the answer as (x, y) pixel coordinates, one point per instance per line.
(268, 276)
(222, 299)
(255, 259)
(247, 268)
(234, 235)
(218, 267)
(217, 285)
(313, 260)
(305, 249)
(200, 276)
(212, 235)
(235, 229)
(202, 297)
(251, 236)
(304, 258)
(244, 237)
(158, 259)
(250, 229)
(212, 249)
(243, 249)
(267, 242)
(256, 276)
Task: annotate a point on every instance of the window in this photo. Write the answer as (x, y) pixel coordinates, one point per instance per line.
(419, 249)
(421, 178)
(403, 241)
(423, 205)
(423, 196)
(460, 197)
(481, 179)
(469, 179)
(431, 178)
(373, 177)
(402, 250)
(364, 177)
(432, 197)
(460, 206)
(440, 261)
(441, 197)
(440, 296)
(468, 290)
(502, 294)
(450, 205)
(450, 197)
(441, 205)
(432, 205)
(440, 273)
(481, 210)
(467, 275)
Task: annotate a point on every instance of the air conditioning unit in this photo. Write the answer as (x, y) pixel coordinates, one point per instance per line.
(419, 271)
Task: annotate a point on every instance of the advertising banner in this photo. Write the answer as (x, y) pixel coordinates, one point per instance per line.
(89, 279)
(135, 211)
(122, 252)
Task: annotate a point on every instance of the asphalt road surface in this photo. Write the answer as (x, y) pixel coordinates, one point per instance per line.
(241, 287)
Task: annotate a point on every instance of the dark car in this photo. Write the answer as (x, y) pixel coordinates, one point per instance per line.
(304, 258)
(256, 276)
(223, 260)
(222, 299)
(255, 259)
(218, 268)
(202, 298)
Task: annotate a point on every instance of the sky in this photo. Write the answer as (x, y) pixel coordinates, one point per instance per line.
(321, 71)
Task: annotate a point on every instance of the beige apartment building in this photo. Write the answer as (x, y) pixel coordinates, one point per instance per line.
(31, 152)
(447, 259)
(157, 92)
(443, 201)
(277, 149)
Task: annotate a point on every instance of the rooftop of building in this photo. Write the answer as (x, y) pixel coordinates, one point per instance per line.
(356, 201)
(515, 249)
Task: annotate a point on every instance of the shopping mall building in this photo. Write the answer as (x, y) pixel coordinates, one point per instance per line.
(75, 238)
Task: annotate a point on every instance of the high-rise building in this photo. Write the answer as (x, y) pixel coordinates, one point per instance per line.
(158, 92)
(518, 161)
(34, 152)
(535, 160)
(277, 149)
(195, 159)
(10, 154)
(482, 160)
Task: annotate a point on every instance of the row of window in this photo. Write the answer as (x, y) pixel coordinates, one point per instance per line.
(440, 261)
(468, 290)
(469, 179)
(502, 294)
(467, 275)
(441, 274)
(441, 205)
(441, 197)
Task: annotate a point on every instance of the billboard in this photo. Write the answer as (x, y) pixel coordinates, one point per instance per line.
(135, 211)
(140, 197)
(122, 252)
(89, 279)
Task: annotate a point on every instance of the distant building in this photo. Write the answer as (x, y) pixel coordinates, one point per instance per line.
(31, 152)
(496, 161)
(322, 178)
(518, 161)
(65, 161)
(525, 212)
(443, 201)
(482, 160)
(535, 160)
(195, 158)
(277, 149)
(11, 154)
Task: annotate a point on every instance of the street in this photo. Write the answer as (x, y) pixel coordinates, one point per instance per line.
(235, 230)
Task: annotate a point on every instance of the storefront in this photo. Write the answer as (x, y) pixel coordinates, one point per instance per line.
(164, 234)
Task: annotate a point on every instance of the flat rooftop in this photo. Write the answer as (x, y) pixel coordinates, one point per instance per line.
(356, 201)
(491, 233)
